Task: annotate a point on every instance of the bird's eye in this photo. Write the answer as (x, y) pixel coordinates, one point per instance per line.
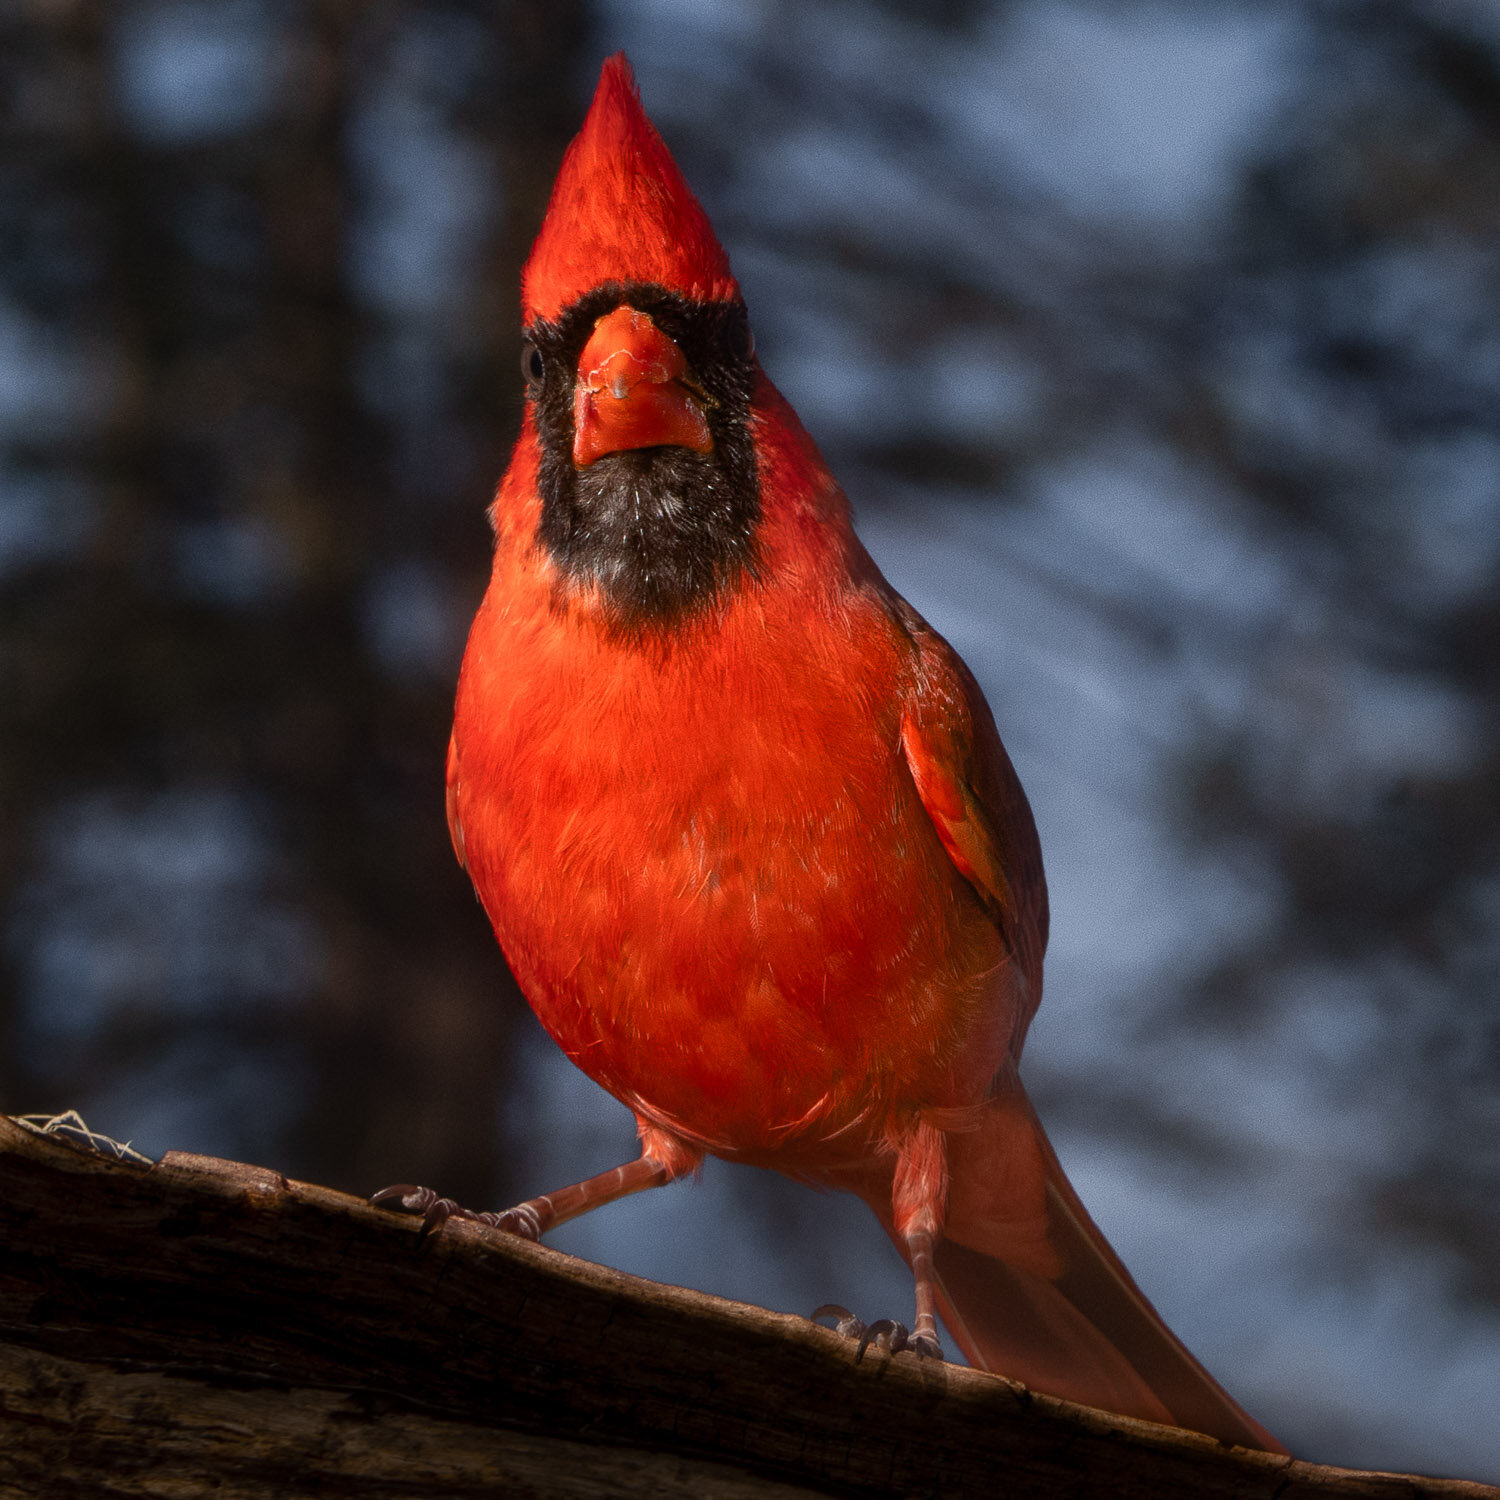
(741, 340)
(533, 366)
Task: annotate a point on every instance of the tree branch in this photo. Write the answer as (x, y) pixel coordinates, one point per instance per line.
(204, 1326)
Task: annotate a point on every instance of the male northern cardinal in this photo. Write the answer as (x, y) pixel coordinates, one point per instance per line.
(741, 818)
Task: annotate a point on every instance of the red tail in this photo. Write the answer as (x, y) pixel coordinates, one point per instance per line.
(1045, 1300)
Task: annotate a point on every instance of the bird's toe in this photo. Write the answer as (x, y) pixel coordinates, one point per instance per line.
(436, 1210)
(845, 1322)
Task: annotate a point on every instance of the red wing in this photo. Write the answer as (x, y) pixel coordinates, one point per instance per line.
(973, 796)
(972, 842)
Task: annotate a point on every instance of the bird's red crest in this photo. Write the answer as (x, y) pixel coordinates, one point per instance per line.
(621, 211)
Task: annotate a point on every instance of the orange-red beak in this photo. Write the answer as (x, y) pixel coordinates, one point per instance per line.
(635, 390)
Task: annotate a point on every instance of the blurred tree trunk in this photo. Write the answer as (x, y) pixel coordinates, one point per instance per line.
(231, 411)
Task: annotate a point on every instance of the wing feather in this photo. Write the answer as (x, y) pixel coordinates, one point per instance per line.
(972, 794)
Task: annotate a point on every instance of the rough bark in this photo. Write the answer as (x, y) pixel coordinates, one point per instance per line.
(200, 1326)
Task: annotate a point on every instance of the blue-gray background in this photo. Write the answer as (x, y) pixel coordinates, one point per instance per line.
(1157, 346)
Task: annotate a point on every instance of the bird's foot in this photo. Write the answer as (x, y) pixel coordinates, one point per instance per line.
(885, 1334)
(892, 1336)
(521, 1221)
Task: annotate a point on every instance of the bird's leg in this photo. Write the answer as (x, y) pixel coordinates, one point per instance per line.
(663, 1158)
(923, 1337)
(919, 1196)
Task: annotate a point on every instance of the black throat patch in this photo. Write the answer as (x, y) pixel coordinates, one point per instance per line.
(661, 531)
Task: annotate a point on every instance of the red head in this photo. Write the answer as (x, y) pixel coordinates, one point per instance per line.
(641, 377)
(621, 211)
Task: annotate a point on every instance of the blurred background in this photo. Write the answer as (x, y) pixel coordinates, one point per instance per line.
(1157, 346)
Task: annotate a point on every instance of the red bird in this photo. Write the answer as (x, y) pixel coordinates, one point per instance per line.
(741, 818)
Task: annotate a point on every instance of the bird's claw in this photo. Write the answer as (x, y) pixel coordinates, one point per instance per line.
(846, 1324)
(406, 1195)
(925, 1345)
(435, 1211)
(885, 1334)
